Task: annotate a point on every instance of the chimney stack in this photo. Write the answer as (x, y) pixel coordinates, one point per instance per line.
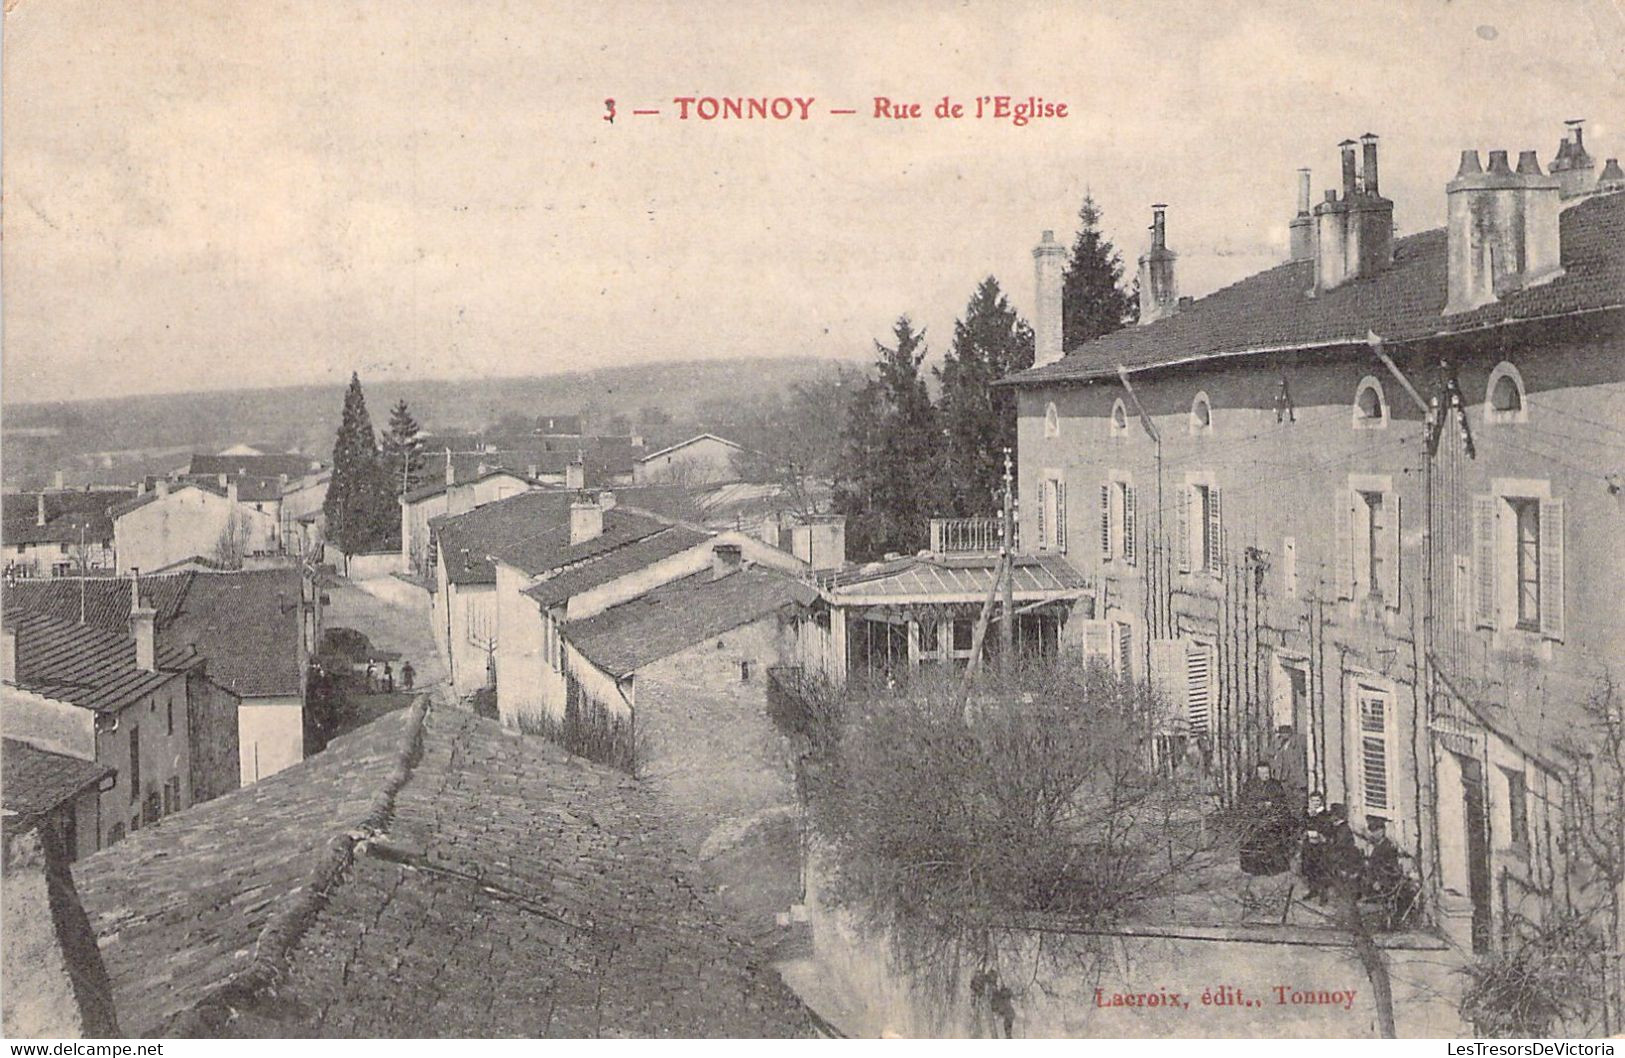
(1049, 272)
(1572, 166)
(1501, 229)
(1350, 180)
(575, 475)
(606, 500)
(586, 521)
(725, 559)
(1302, 228)
(1159, 289)
(143, 628)
(39, 517)
(451, 469)
(1354, 234)
(1612, 178)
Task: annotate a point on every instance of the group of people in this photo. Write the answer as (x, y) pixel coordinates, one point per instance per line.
(386, 683)
(1329, 854)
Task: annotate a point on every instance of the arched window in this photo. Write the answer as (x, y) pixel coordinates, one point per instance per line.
(1370, 406)
(1119, 419)
(1052, 421)
(1201, 414)
(1504, 396)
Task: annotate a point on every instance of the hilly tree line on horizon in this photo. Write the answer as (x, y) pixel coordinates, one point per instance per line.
(903, 459)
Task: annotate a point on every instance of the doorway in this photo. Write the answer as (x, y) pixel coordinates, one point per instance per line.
(1476, 819)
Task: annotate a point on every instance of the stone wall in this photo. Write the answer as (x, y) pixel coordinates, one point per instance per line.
(212, 724)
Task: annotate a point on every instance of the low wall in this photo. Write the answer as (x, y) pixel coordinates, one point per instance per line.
(366, 565)
(396, 591)
(1152, 982)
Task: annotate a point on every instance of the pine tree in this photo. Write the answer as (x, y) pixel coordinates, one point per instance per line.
(360, 507)
(403, 448)
(895, 468)
(1093, 299)
(990, 342)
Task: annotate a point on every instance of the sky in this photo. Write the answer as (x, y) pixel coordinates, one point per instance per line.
(208, 195)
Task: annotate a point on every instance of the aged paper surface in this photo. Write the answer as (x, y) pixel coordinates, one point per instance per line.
(654, 519)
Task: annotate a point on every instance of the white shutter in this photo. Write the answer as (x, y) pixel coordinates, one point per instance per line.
(1097, 641)
(1043, 503)
(1374, 769)
(1551, 568)
(1485, 580)
(1391, 555)
(1343, 515)
(1125, 650)
(1183, 542)
(1167, 675)
(1128, 524)
(1199, 686)
(1060, 516)
(1215, 534)
(1106, 522)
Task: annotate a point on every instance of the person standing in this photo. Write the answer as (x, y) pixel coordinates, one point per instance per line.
(389, 678)
(1315, 842)
(408, 674)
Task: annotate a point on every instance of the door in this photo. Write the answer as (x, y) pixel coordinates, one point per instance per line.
(1292, 757)
(1476, 819)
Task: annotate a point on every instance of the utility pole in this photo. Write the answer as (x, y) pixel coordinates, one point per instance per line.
(1007, 560)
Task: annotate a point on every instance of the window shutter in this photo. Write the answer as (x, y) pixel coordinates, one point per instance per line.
(1484, 575)
(1168, 674)
(1043, 503)
(1215, 534)
(1199, 686)
(1128, 524)
(1551, 568)
(1374, 751)
(1097, 641)
(1125, 649)
(1183, 543)
(1060, 516)
(1106, 522)
(1391, 581)
(1343, 517)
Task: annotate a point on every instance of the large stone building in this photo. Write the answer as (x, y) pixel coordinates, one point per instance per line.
(1358, 514)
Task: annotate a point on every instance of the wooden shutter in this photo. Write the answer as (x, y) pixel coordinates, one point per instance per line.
(1374, 770)
(1128, 524)
(1043, 502)
(1106, 522)
(1199, 686)
(1125, 649)
(1391, 549)
(1167, 675)
(1484, 574)
(1060, 516)
(1343, 524)
(1183, 541)
(1551, 568)
(1215, 534)
(1097, 641)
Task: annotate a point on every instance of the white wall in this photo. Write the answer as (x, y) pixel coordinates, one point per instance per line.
(473, 623)
(270, 736)
(702, 461)
(186, 522)
(47, 724)
(526, 684)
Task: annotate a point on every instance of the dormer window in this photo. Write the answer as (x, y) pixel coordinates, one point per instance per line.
(1052, 421)
(1504, 397)
(1119, 425)
(1370, 406)
(1201, 415)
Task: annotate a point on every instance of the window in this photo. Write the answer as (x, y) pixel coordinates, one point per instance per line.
(1369, 531)
(1119, 423)
(70, 834)
(1504, 396)
(1052, 512)
(169, 715)
(1517, 560)
(1371, 542)
(1118, 529)
(1052, 421)
(135, 762)
(1376, 750)
(964, 635)
(1517, 808)
(1201, 415)
(1370, 406)
(1182, 672)
(1123, 634)
(744, 672)
(1201, 538)
(929, 637)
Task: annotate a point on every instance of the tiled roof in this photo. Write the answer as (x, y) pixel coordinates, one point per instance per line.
(435, 488)
(246, 623)
(624, 638)
(467, 540)
(267, 466)
(36, 780)
(65, 514)
(608, 563)
(1271, 311)
(89, 667)
(106, 600)
(206, 483)
(685, 443)
(954, 579)
(178, 906)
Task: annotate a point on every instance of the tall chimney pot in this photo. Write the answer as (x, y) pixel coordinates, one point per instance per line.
(39, 517)
(1368, 170)
(1049, 268)
(1303, 192)
(1498, 163)
(1159, 287)
(1349, 179)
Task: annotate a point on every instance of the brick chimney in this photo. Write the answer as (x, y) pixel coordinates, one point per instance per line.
(1302, 227)
(1049, 270)
(575, 475)
(143, 628)
(1572, 164)
(586, 520)
(1501, 229)
(1159, 289)
(725, 559)
(1354, 232)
